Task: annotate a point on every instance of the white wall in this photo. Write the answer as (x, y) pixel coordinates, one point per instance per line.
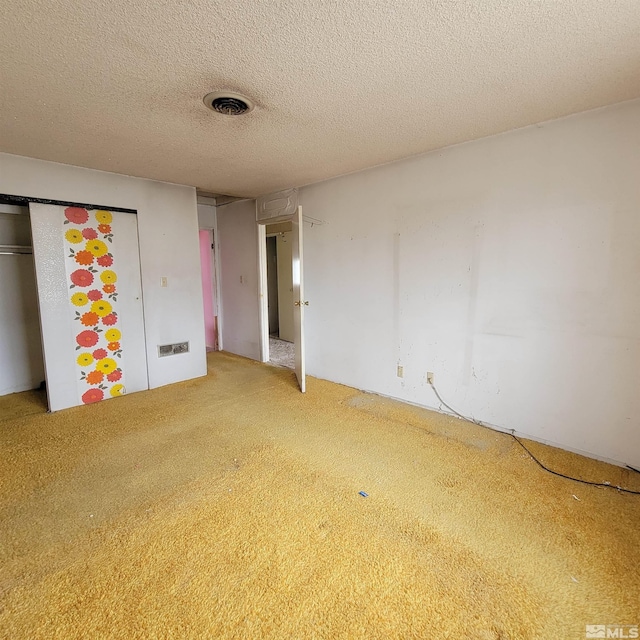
(206, 216)
(508, 266)
(168, 236)
(238, 237)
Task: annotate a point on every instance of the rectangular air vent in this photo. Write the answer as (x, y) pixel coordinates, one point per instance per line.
(172, 349)
(277, 206)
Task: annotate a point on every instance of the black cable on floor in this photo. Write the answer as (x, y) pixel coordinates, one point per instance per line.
(542, 466)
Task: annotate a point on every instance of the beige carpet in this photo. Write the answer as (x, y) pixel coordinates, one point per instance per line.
(229, 507)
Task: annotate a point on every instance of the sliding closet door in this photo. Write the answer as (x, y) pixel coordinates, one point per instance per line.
(90, 298)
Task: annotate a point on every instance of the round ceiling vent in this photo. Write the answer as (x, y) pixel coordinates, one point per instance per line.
(227, 103)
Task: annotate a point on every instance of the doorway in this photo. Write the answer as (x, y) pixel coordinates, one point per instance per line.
(280, 301)
(209, 288)
(270, 210)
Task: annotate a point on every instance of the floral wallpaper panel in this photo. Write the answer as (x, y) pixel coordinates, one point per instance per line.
(92, 278)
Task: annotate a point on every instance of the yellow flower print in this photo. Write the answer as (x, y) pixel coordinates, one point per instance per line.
(113, 335)
(84, 359)
(73, 236)
(96, 247)
(106, 365)
(104, 217)
(108, 276)
(117, 390)
(101, 308)
(79, 299)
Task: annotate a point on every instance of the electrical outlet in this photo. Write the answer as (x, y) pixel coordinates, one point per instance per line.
(430, 377)
(400, 371)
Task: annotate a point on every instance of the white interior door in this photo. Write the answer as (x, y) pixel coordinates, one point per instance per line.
(298, 295)
(90, 301)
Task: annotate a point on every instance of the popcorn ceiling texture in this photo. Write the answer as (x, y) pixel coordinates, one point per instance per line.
(339, 86)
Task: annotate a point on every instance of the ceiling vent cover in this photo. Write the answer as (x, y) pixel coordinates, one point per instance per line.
(229, 104)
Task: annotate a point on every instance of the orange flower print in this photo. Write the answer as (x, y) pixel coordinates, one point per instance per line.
(79, 299)
(94, 295)
(101, 307)
(93, 395)
(113, 335)
(84, 359)
(84, 257)
(90, 319)
(106, 365)
(114, 376)
(87, 338)
(73, 236)
(108, 277)
(76, 215)
(82, 278)
(98, 348)
(95, 377)
(96, 247)
(104, 217)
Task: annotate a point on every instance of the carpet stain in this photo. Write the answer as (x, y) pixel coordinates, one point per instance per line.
(229, 507)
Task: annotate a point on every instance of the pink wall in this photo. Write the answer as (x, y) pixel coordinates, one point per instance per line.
(207, 288)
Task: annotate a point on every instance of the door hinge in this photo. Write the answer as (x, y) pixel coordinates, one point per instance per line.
(300, 303)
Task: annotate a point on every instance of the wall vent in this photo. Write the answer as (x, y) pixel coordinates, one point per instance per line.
(172, 349)
(277, 207)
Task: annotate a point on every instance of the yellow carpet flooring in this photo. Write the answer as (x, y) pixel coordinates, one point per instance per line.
(229, 507)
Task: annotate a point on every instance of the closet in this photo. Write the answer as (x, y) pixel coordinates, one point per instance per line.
(70, 302)
(20, 336)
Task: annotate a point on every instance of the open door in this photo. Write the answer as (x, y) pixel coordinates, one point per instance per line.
(298, 296)
(274, 208)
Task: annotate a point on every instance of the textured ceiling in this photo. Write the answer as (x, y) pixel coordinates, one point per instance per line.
(339, 85)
